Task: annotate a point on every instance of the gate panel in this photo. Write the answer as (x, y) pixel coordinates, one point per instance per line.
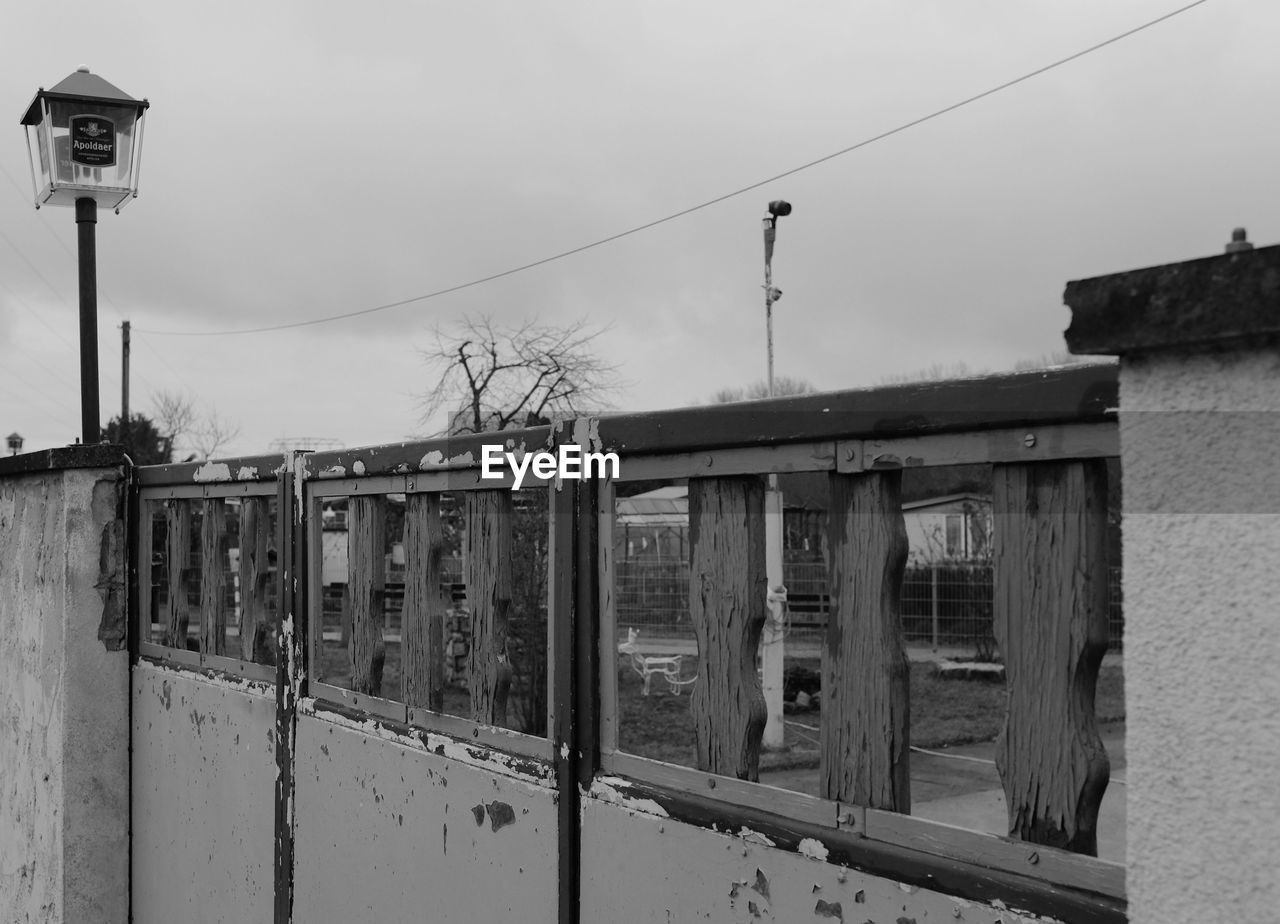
(638, 867)
(392, 830)
(203, 811)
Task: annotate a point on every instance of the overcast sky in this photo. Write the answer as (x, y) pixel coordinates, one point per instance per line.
(303, 160)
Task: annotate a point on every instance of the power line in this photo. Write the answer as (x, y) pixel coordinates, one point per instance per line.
(160, 356)
(54, 235)
(702, 205)
(44, 395)
(102, 292)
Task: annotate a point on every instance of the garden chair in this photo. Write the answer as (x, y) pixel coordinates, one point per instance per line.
(668, 666)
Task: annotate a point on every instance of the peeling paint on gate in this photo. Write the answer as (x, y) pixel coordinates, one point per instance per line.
(213, 471)
(722, 876)
(386, 796)
(203, 795)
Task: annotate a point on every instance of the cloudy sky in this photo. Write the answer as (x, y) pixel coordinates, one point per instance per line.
(308, 159)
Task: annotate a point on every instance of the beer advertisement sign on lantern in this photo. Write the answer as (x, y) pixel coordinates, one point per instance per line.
(93, 141)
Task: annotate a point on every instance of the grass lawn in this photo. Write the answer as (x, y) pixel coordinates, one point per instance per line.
(943, 712)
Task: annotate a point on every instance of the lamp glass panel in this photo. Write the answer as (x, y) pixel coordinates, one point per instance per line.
(92, 144)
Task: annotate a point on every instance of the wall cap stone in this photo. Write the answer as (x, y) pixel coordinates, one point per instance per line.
(102, 455)
(1232, 297)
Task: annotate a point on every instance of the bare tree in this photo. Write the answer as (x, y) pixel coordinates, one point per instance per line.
(958, 370)
(190, 431)
(783, 386)
(212, 433)
(493, 376)
(936, 373)
(1059, 358)
(174, 415)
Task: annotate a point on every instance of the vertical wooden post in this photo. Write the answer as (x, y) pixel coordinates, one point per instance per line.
(866, 709)
(255, 542)
(727, 591)
(488, 578)
(178, 513)
(1051, 624)
(366, 579)
(425, 604)
(213, 580)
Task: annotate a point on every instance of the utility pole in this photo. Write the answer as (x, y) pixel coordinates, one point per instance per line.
(124, 382)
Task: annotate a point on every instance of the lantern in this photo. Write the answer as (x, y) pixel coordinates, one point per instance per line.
(84, 139)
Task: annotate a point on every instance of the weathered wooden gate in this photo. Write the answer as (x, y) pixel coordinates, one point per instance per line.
(300, 753)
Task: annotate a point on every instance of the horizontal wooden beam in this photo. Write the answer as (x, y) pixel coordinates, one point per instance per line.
(1064, 395)
(1034, 443)
(236, 470)
(442, 454)
(1060, 867)
(796, 457)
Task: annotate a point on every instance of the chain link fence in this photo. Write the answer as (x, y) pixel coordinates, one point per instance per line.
(944, 604)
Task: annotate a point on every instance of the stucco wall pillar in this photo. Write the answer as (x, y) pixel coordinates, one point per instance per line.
(64, 689)
(1199, 347)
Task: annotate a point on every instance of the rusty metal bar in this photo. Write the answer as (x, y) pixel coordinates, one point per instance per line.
(290, 645)
(564, 718)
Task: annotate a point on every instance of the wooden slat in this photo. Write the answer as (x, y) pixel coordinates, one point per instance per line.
(866, 714)
(487, 567)
(366, 580)
(727, 590)
(1051, 625)
(179, 555)
(425, 604)
(213, 580)
(256, 643)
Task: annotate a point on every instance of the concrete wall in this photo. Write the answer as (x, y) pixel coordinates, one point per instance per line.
(64, 746)
(204, 774)
(1200, 434)
(1199, 347)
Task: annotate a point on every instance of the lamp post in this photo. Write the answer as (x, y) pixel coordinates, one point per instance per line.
(84, 140)
(778, 208)
(772, 652)
(15, 443)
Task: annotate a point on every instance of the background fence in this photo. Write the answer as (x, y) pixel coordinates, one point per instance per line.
(944, 604)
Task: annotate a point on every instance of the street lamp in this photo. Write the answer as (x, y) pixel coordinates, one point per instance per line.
(84, 141)
(771, 639)
(778, 208)
(15, 443)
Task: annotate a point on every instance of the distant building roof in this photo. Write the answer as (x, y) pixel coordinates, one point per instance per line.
(945, 500)
(668, 506)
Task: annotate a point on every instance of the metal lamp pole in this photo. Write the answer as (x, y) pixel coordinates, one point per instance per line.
(772, 653)
(86, 234)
